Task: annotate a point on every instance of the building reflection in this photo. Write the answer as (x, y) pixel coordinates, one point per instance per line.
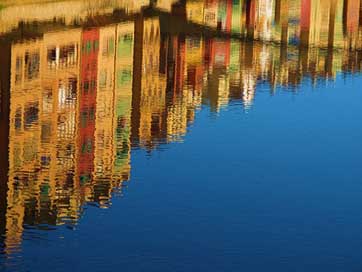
(76, 100)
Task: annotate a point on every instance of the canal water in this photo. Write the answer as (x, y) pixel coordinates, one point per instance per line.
(181, 136)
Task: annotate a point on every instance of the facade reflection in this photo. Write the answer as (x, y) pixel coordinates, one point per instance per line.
(75, 100)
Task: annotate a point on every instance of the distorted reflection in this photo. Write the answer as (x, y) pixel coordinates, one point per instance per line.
(82, 83)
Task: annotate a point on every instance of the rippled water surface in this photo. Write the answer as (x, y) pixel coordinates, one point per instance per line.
(191, 135)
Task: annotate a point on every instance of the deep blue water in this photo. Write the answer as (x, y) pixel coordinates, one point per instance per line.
(181, 135)
(275, 187)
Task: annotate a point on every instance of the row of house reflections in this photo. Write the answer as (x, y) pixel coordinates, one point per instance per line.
(80, 99)
(324, 23)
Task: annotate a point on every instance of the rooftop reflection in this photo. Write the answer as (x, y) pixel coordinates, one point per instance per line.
(79, 90)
